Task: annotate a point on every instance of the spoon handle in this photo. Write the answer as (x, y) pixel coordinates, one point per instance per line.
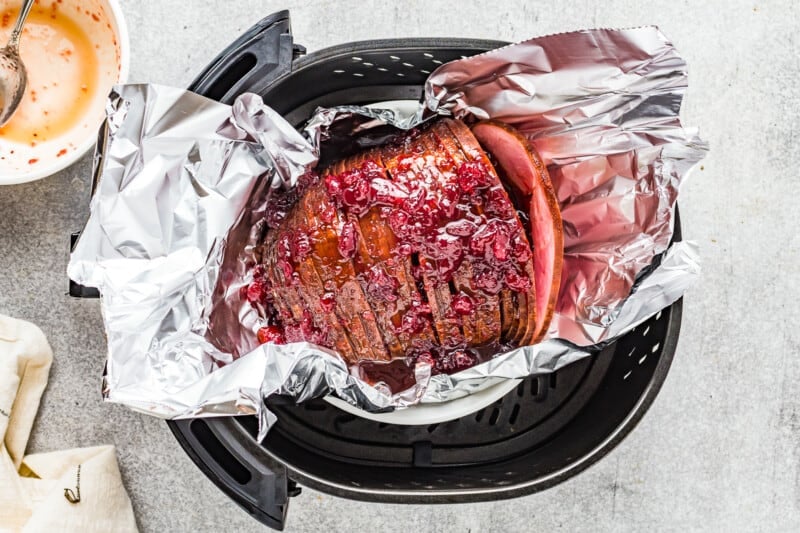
(13, 42)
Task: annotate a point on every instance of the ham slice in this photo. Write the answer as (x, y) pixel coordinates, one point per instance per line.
(523, 168)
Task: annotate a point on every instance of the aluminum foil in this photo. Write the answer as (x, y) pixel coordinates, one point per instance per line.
(182, 190)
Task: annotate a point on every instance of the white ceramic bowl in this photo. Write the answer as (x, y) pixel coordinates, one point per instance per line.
(96, 25)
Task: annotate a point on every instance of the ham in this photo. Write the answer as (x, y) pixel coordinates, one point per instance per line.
(523, 168)
(415, 250)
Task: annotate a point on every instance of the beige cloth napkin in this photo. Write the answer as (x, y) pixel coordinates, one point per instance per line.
(33, 495)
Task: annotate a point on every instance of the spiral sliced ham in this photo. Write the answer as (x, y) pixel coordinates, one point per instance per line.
(416, 250)
(520, 165)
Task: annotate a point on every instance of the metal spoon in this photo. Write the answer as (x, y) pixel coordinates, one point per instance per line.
(13, 76)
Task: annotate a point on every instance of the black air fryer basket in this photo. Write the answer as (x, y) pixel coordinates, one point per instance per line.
(548, 429)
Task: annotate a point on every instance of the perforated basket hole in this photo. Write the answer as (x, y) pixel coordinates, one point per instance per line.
(400, 66)
(645, 345)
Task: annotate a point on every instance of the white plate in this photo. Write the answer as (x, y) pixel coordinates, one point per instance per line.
(101, 23)
(434, 413)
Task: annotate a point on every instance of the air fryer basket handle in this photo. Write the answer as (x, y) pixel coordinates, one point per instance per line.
(252, 62)
(255, 481)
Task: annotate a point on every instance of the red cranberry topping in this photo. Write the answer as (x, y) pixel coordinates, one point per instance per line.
(461, 228)
(353, 188)
(328, 302)
(347, 240)
(416, 317)
(399, 222)
(356, 197)
(446, 246)
(517, 282)
(488, 281)
(306, 330)
(333, 184)
(284, 247)
(415, 201)
(286, 269)
(482, 238)
(455, 361)
(423, 309)
(380, 285)
(472, 175)
(418, 306)
(301, 245)
(500, 247)
(425, 358)
(272, 334)
(257, 292)
(450, 193)
(495, 203)
(385, 192)
(406, 163)
(328, 213)
(305, 181)
(521, 250)
(462, 304)
(446, 267)
(412, 323)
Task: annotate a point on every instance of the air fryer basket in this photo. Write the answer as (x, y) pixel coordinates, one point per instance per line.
(547, 430)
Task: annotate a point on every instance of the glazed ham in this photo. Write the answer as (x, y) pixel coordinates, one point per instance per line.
(416, 250)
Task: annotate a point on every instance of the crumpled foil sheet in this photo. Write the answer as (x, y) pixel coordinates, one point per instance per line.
(182, 189)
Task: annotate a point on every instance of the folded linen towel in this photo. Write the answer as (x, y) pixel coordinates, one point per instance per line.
(76, 490)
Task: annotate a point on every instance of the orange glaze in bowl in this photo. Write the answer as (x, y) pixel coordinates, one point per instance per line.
(62, 68)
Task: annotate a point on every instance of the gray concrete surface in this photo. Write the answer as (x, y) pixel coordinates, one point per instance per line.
(719, 449)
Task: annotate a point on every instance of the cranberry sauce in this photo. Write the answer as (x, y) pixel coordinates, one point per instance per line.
(398, 374)
(441, 214)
